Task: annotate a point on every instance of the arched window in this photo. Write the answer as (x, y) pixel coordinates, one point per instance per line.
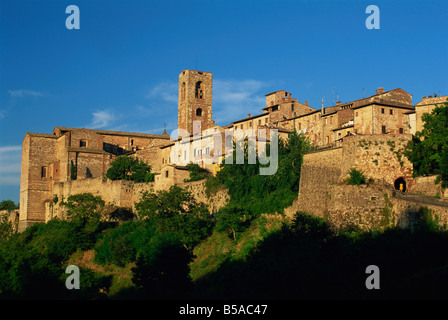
(199, 112)
(199, 90)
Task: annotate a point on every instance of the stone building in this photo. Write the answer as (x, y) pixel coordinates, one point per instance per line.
(50, 160)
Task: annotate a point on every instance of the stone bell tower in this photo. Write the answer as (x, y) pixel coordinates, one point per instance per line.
(195, 100)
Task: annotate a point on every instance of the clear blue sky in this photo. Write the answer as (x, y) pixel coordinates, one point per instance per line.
(119, 71)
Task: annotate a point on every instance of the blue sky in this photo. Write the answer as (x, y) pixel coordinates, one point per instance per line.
(119, 71)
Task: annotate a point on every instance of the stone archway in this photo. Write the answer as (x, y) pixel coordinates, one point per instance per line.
(398, 182)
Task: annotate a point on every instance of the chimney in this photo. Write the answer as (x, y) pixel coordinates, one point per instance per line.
(338, 103)
(380, 90)
(248, 115)
(424, 98)
(306, 103)
(429, 97)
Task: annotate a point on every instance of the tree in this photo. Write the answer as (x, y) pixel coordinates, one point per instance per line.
(85, 207)
(177, 211)
(196, 172)
(233, 219)
(162, 270)
(129, 168)
(428, 149)
(8, 205)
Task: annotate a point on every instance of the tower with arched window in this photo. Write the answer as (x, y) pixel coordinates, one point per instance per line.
(195, 101)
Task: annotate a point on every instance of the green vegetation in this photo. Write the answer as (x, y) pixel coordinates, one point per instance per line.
(174, 249)
(428, 150)
(129, 168)
(196, 172)
(356, 177)
(8, 205)
(257, 193)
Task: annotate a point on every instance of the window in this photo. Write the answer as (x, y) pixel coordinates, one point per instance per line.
(292, 107)
(259, 122)
(207, 150)
(166, 174)
(383, 129)
(241, 127)
(401, 130)
(132, 142)
(199, 112)
(83, 143)
(43, 173)
(331, 120)
(391, 111)
(198, 90)
(357, 113)
(339, 135)
(382, 110)
(300, 126)
(250, 124)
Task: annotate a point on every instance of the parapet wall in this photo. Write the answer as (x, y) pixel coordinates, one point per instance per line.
(126, 194)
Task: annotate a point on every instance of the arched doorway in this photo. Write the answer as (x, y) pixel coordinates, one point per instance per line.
(398, 182)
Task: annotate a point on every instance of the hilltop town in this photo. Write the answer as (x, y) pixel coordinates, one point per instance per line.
(367, 134)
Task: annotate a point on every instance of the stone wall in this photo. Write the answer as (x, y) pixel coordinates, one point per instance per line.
(126, 194)
(377, 207)
(319, 171)
(379, 157)
(427, 186)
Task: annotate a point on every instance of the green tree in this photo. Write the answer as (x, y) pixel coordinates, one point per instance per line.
(233, 219)
(196, 172)
(428, 149)
(162, 270)
(177, 211)
(85, 207)
(263, 193)
(8, 205)
(129, 168)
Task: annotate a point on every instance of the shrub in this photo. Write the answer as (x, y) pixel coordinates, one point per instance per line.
(196, 172)
(129, 168)
(356, 177)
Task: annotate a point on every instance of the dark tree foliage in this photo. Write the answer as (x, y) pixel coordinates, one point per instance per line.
(129, 168)
(428, 149)
(8, 205)
(162, 270)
